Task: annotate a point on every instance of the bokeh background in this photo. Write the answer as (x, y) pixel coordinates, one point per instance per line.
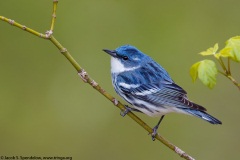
(46, 110)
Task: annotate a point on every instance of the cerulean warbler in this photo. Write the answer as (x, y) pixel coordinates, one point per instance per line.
(147, 86)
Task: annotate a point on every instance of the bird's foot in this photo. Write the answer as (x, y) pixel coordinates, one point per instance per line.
(128, 109)
(154, 133)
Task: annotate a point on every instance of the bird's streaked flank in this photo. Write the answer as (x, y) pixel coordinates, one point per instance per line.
(147, 86)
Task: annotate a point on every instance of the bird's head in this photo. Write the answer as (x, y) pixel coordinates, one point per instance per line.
(126, 58)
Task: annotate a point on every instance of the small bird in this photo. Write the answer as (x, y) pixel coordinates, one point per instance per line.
(147, 86)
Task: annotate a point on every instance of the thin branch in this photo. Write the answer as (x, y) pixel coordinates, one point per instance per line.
(23, 27)
(86, 78)
(234, 81)
(229, 68)
(231, 78)
(55, 2)
(222, 73)
(227, 72)
(223, 65)
(83, 74)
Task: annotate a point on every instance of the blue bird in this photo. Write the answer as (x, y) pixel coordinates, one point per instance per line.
(147, 86)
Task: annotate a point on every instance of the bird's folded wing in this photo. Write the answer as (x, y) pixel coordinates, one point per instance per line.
(162, 93)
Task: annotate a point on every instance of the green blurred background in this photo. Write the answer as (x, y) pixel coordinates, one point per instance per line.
(46, 110)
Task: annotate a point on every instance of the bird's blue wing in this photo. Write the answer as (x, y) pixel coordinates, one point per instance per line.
(152, 83)
(162, 93)
(153, 88)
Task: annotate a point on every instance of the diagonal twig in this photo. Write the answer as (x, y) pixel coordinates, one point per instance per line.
(86, 78)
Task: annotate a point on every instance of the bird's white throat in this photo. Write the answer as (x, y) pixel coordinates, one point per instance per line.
(118, 67)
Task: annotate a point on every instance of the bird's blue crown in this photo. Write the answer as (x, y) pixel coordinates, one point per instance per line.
(130, 56)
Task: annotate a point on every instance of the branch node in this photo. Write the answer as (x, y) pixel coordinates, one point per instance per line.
(54, 15)
(115, 101)
(11, 21)
(82, 73)
(24, 27)
(102, 91)
(93, 83)
(55, 0)
(63, 50)
(41, 35)
(48, 33)
(182, 153)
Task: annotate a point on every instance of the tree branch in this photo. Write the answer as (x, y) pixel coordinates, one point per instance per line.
(13, 23)
(233, 80)
(55, 2)
(227, 72)
(86, 78)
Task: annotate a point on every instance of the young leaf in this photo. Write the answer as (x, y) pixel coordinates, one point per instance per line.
(210, 51)
(225, 52)
(206, 71)
(194, 71)
(234, 44)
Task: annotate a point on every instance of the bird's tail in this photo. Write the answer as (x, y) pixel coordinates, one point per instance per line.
(203, 115)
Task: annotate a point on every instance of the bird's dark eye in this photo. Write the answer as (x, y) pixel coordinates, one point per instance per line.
(125, 58)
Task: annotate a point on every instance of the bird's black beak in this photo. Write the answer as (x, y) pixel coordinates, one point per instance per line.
(112, 53)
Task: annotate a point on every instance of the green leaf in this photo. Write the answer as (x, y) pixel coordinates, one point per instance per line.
(194, 71)
(234, 44)
(206, 71)
(210, 51)
(225, 52)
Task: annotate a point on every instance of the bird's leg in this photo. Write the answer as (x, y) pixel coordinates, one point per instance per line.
(154, 133)
(128, 109)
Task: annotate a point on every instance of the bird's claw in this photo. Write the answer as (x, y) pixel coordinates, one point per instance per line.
(154, 133)
(154, 130)
(123, 113)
